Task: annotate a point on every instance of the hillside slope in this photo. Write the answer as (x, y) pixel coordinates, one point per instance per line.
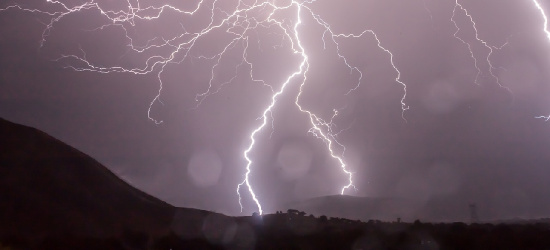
(48, 188)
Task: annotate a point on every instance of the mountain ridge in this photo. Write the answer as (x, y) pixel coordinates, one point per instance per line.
(44, 181)
(436, 209)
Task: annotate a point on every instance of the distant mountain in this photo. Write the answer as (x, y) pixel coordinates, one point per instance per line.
(437, 209)
(49, 189)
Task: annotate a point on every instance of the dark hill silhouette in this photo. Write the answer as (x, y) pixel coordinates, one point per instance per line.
(49, 189)
(53, 196)
(437, 209)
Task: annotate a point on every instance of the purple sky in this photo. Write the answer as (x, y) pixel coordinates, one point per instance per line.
(476, 142)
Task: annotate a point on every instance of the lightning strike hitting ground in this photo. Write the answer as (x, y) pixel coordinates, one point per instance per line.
(328, 136)
(547, 32)
(239, 23)
(303, 67)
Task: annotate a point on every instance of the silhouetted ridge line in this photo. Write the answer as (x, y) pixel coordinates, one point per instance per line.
(48, 187)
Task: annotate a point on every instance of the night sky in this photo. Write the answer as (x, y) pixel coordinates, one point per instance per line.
(477, 141)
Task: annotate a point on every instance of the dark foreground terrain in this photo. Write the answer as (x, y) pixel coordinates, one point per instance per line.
(290, 231)
(53, 196)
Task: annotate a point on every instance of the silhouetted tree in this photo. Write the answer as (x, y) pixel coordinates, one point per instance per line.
(292, 211)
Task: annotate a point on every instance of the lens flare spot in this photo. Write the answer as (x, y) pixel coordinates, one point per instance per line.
(205, 168)
(294, 161)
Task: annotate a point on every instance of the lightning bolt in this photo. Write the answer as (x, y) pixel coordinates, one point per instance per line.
(324, 129)
(545, 29)
(490, 48)
(298, 49)
(239, 23)
(543, 14)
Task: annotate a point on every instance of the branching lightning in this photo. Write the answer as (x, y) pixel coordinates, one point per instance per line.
(238, 23)
(243, 20)
(297, 48)
(328, 135)
(490, 48)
